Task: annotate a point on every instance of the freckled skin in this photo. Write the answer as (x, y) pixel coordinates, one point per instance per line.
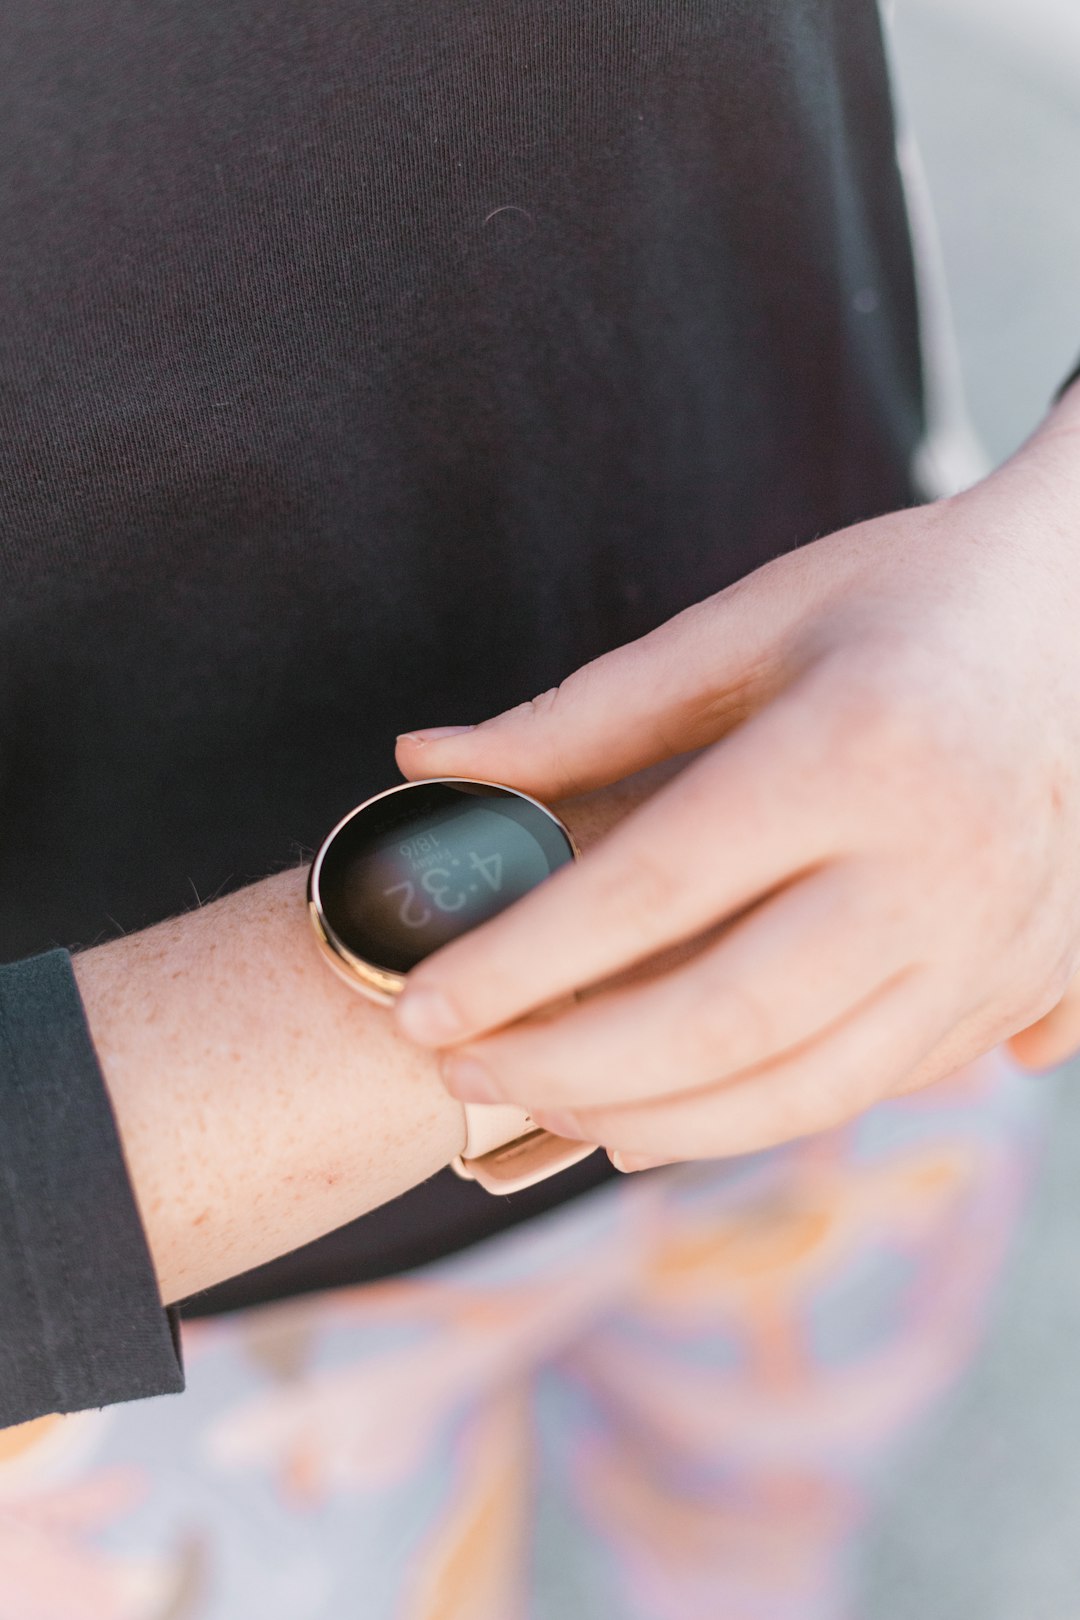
(261, 1102)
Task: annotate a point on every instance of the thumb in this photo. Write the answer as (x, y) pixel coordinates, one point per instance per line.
(679, 687)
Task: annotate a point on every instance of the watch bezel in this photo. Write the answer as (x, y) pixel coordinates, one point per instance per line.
(383, 984)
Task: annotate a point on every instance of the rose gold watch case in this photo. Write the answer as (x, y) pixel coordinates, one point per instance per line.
(528, 1157)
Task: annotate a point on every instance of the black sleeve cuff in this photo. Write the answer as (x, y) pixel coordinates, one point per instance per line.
(81, 1319)
(1073, 376)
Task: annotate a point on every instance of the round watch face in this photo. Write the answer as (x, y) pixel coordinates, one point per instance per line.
(417, 866)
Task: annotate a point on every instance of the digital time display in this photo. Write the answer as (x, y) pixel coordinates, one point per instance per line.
(417, 867)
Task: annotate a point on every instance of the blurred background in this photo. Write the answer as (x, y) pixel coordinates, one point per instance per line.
(981, 1520)
(991, 90)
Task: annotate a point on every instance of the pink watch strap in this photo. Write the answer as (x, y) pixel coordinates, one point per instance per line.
(505, 1152)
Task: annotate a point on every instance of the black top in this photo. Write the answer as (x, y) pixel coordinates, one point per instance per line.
(366, 366)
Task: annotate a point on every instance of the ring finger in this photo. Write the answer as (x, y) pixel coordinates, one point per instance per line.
(855, 1064)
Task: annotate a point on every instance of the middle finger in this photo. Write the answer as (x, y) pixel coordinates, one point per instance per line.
(790, 968)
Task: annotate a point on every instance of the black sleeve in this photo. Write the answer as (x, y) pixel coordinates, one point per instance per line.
(81, 1319)
(1073, 376)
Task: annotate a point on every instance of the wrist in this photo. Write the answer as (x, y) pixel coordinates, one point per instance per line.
(1051, 453)
(1032, 500)
(260, 1102)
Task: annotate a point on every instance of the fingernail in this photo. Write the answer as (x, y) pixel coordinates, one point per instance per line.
(425, 1015)
(433, 734)
(558, 1123)
(629, 1162)
(469, 1081)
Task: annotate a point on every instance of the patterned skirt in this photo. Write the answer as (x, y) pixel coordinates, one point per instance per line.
(669, 1400)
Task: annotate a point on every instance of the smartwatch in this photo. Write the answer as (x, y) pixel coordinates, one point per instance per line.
(411, 869)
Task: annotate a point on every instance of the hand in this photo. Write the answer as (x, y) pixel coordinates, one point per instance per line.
(871, 867)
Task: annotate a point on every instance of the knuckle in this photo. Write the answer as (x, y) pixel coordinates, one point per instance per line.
(822, 1095)
(532, 718)
(1036, 995)
(825, 1101)
(873, 705)
(888, 724)
(542, 718)
(728, 1026)
(554, 701)
(541, 708)
(635, 892)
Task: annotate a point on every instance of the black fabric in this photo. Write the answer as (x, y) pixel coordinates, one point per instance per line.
(366, 366)
(81, 1322)
(1074, 376)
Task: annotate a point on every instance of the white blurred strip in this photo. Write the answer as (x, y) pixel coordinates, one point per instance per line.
(952, 456)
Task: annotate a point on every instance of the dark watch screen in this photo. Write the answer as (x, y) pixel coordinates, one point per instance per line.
(420, 866)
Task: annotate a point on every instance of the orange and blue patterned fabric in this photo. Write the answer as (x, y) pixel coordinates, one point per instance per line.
(670, 1400)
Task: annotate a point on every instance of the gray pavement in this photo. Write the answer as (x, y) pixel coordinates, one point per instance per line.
(982, 1522)
(992, 90)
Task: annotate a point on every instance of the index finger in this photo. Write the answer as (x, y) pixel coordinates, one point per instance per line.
(745, 816)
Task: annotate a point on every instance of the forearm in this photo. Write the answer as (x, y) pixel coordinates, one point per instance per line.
(260, 1101)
